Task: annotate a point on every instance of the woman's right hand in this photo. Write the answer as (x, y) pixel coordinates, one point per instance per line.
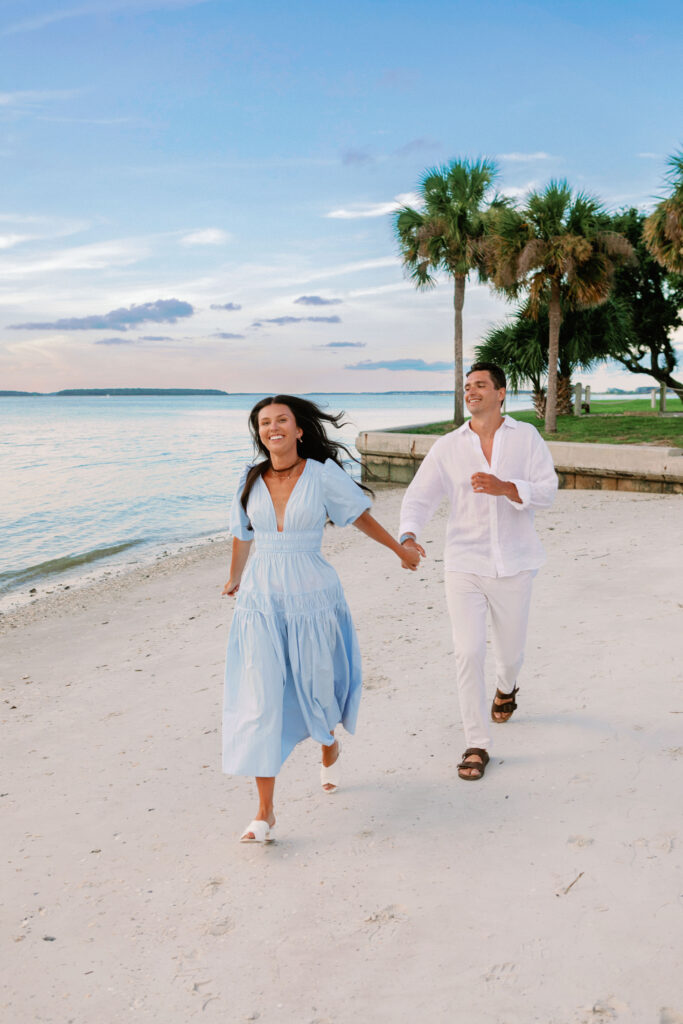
(411, 553)
(231, 588)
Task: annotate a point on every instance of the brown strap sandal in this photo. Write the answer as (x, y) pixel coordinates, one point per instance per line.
(506, 707)
(473, 766)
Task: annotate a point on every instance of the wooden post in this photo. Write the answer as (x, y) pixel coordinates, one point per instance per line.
(653, 399)
(662, 397)
(588, 398)
(578, 388)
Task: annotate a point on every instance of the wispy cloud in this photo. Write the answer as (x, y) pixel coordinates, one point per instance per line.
(206, 236)
(8, 241)
(524, 158)
(226, 336)
(35, 97)
(650, 156)
(314, 300)
(400, 364)
(343, 344)
(162, 311)
(155, 337)
(361, 210)
(231, 307)
(340, 270)
(281, 321)
(519, 191)
(115, 341)
(94, 8)
(97, 256)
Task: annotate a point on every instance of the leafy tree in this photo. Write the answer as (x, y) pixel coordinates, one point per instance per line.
(520, 347)
(654, 299)
(559, 250)
(446, 235)
(664, 226)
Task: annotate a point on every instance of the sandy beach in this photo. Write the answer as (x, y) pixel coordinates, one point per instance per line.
(549, 892)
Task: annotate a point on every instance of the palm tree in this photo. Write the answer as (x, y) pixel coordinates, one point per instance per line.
(445, 235)
(520, 347)
(559, 250)
(664, 227)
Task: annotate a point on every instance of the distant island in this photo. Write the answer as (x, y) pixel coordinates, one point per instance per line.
(112, 393)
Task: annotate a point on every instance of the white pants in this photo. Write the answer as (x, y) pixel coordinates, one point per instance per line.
(469, 597)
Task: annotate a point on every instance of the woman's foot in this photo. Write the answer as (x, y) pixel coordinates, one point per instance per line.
(330, 756)
(255, 833)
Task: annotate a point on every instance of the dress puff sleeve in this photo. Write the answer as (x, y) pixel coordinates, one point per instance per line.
(343, 498)
(239, 521)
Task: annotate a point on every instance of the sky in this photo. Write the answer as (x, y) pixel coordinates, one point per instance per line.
(199, 193)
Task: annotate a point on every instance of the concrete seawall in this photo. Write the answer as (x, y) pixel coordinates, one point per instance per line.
(394, 458)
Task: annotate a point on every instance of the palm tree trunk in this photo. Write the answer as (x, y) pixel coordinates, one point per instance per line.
(564, 395)
(458, 385)
(555, 319)
(539, 402)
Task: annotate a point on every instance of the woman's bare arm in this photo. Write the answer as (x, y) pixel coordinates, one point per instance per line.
(240, 554)
(410, 557)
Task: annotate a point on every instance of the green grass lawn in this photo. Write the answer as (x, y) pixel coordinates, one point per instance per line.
(627, 422)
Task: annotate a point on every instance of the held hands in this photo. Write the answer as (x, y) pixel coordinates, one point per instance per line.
(410, 558)
(231, 588)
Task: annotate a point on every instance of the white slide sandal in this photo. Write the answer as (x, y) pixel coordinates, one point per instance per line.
(260, 830)
(331, 776)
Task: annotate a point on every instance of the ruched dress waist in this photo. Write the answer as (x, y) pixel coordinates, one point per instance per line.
(287, 542)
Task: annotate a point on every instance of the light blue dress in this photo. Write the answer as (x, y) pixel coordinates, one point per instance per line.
(293, 665)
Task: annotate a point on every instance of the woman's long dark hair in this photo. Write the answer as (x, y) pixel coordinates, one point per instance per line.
(313, 443)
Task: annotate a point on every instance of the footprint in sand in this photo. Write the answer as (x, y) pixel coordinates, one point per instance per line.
(385, 921)
(501, 972)
(375, 682)
(603, 1010)
(220, 927)
(212, 886)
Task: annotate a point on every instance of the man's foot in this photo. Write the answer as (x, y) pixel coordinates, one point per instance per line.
(258, 830)
(503, 705)
(473, 764)
(330, 755)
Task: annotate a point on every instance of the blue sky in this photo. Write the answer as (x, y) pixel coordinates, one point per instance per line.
(165, 158)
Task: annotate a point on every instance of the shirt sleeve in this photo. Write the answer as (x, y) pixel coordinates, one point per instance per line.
(344, 500)
(539, 490)
(239, 520)
(425, 493)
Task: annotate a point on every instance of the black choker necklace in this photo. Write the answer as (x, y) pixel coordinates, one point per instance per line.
(287, 468)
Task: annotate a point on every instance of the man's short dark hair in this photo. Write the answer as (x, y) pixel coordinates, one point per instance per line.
(497, 374)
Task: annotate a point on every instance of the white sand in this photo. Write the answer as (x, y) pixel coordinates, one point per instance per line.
(549, 892)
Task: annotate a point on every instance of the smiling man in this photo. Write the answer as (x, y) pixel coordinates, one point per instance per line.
(495, 472)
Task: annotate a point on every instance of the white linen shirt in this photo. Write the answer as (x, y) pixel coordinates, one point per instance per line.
(486, 535)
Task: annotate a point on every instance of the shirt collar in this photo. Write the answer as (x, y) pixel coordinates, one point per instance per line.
(507, 422)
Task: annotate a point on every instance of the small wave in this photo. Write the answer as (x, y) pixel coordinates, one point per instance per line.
(9, 580)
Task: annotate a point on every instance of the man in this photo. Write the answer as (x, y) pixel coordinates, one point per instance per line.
(495, 471)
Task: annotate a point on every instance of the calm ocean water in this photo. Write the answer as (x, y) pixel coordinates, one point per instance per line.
(91, 483)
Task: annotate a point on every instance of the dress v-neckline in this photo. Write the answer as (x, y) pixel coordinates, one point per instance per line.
(272, 503)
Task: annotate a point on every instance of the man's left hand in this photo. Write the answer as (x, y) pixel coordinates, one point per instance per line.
(487, 483)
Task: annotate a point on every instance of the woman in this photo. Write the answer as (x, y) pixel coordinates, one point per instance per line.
(293, 663)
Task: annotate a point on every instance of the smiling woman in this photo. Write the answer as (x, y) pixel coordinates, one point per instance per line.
(293, 664)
